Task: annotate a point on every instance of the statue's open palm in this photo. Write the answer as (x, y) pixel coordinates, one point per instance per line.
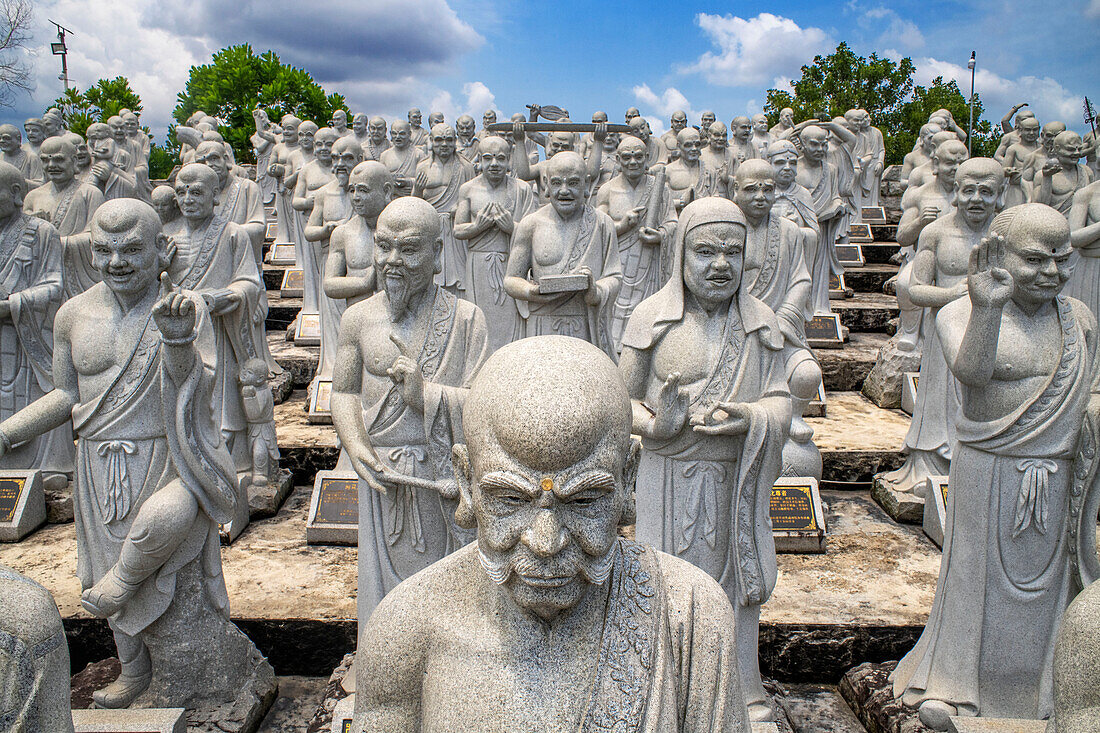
(990, 284)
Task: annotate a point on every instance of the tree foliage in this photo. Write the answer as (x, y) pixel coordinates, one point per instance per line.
(237, 81)
(16, 19)
(844, 80)
(98, 103)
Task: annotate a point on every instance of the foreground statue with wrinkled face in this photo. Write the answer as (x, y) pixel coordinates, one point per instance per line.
(148, 494)
(550, 621)
(1020, 533)
(703, 360)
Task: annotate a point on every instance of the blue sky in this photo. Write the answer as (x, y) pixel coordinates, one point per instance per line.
(464, 55)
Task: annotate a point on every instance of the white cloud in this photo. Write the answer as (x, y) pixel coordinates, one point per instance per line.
(756, 51)
(1047, 98)
(1093, 9)
(670, 100)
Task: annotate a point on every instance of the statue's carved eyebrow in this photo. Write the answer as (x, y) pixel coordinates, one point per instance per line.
(588, 480)
(507, 480)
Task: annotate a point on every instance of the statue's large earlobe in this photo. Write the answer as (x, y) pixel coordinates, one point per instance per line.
(1002, 194)
(460, 462)
(387, 190)
(439, 255)
(630, 483)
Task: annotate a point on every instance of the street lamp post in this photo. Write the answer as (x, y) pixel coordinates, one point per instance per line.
(59, 49)
(970, 130)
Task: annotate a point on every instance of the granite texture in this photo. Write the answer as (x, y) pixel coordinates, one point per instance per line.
(884, 382)
(868, 691)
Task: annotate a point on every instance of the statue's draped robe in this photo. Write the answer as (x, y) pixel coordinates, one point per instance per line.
(595, 246)
(30, 165)
(1063, 202)
(214, 258)
(407, 529)
(267, 183)
(335, 206)
(641, 262)
(71, 215)
(444, 201)
(374, 152)
(119, 184)
(868, 142)
(1006, 575)
(30, 277)
(288, 221)
(706, 499)
(134, 438)
(1084, 282)
(486, 261)
(825, 262)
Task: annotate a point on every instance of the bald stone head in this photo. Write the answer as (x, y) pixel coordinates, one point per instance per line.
(690, 144)
(1036, 252)
(547, 430)
(371, 188)
(290, 125)
(979, 190)
(196, 187)
(600, 116)
(1067, 148)
(815, 142)
(36, 130)
(1050, 131)
(129, 248)
(13, 187)
(443, 141)
(465, 126)
(10, 139)
(346, 154)
(678, 121)
(495, 155)
(639, 128)
(100, 142)
(566, 175)
(632, 157)
(400, 134)
(741, 127)
(58, 157)
(754, 185)
(164, 201)
(415, 117)
(631, 113)
(716, 135)
(946, 160)
(408, 247)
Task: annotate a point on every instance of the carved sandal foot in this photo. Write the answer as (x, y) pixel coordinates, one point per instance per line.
(801, 432)
(121, 692)
(936, 714)
(108, 596)
(761, 712)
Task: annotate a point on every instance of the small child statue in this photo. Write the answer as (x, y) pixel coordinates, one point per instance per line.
(259, 410)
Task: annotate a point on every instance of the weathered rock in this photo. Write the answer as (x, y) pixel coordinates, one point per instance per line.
(883, 385)
(869, 693)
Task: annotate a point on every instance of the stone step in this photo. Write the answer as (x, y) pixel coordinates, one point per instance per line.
(856, 438)
(869, 278)
(865, 599)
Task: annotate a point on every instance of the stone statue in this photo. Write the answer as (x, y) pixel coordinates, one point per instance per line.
(822, 179)
(332, 207)
(259, 413)
(438, 179)
(282, 168)
(939, 276)
(164, 202)
(741, 145)
(1044, 152)
(36, 133)
(1023, 476)
(922, 173)
(263, 145)
(402, 158)
(786, 122)
(564, 269)
(706, 119)
(349, 270)
(631, 113)
(775, 271)
(1077, 666)
(529, 145)
(716, 154)
(1084, 223)
(141, 148)
(311, 179)
(34, 668)
(467, 142)
(598, 117)
(677, 122)
(1012, 130)
(148, 496)
(359, 130)
(489, 208)
(13, 152)
(577, 629)
(869, 152)
(1062, 175)
(83, 157)
(488, 118)
(68, 204)
(53, 124)
(406, 357)
(214, 260)
(30, 283)
(128, 157)
(555, 142)
(792, 200)
(689, 178)
(112, 179)
(376, 143)
(703, 361)
(653, 150)
(641, 207)
(339, 123)
(418, 136)
(609, 164)
(761, 136)
(922, 206)
(922, 154)
(239, 200)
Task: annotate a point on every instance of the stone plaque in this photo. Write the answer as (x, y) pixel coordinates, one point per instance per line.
(909, 391)
(860, 233)
(995, 725)
(307, 329)
(873, 214)
(282, 254)
(850, 255)
(824, 331)
(293, 284)
(22, 504)
(935, 508)
(271, 231)
(798, 520)
(343, 712)
(838, 289)
(551, 284)
(320, 399)
(816, 408)
(150, 720)
(334, 509)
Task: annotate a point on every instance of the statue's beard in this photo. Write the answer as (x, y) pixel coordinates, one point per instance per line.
(398, 293)
(595, 570)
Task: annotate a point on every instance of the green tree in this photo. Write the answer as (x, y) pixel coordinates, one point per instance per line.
(844, 80)
(98, 103)
(237, 81)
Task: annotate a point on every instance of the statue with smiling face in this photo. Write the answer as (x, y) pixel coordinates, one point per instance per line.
(550, 621)
(106, 174)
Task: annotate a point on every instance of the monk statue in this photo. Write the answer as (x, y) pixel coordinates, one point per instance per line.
(164, 203)
(339, 123)
(376, 142)
(716, 154)
(263, 144)
(13, 152)
(761, 136)
(1025, 145)
(349, 270)
(551, 621)
(68, 204)
(922, 173)
(1021, 528)
(555, 142)
(403, 157)
(1044, 152)
(240, 198)
(922, 154)
(154, 478)
(489, 208)
(406, 357)
(418, 136)
(1084, 223)
(332, 207)
(923, 205)
(677, 122)
(83, 156)
(703, 362)
(1011, 129)
(822, 179)
(792, 200)
(281, 167)
(36, 133)
(466, 144)
(54, 124)
(359, 129)
(34, 669)
(111, 178)
(939, 271)
(741, 145)
(310, 179)
(1062, 175)
(706, 119)
(641, 207)
(564, 269)
(775, 271)
(438, 179)
(869, 154)
(786, 122)
(489, 117)
(689, 178)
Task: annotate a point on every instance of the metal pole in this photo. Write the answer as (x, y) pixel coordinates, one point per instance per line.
(60, 49)
(970, 130)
